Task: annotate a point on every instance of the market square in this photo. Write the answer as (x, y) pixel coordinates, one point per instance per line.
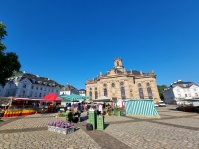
(99, 74)
(174, 129)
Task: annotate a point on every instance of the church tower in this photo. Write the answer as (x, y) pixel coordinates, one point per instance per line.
(118, 63)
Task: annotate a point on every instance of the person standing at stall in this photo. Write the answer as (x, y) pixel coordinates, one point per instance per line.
(70, 115)
(37, 107)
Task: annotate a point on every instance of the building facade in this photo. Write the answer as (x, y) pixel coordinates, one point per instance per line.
(68, 90)
(82, 92)
(29, 86)
(180, 90)
(121, 84)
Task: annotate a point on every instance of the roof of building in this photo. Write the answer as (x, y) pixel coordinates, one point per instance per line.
(68, 87)
(183, 84)
(82, 90)
(34, 79)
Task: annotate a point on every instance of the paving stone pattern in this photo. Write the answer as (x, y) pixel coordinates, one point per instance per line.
(173, 130)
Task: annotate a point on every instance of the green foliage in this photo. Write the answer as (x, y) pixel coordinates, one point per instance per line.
(160, 90)
(17, 73)
(8, 61)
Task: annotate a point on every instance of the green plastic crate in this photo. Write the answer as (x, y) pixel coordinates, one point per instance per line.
(92, 115)
(100, 122)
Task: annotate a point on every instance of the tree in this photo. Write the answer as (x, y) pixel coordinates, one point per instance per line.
(8, 61)
(160, 90)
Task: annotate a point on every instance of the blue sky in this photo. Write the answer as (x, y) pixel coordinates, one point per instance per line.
(71, 41)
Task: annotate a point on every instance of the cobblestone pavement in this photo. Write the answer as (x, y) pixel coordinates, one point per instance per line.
(173, 130)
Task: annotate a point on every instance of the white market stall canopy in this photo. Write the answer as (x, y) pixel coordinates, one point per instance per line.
(102, 99)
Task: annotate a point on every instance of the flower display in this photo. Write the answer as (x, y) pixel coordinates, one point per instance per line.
(60, 124)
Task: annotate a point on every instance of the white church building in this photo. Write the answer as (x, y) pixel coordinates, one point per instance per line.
(180, 90)
(29, 86)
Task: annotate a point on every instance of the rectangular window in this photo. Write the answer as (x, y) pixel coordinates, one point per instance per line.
(185, 95)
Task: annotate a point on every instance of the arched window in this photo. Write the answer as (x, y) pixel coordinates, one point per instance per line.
(96, 95)
(141, 93)
(123, 96)
(90, 94)
(105, 85)
(105, 92)
(150, 93)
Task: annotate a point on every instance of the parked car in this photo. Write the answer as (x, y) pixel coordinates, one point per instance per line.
(156, 105)
(161, 104)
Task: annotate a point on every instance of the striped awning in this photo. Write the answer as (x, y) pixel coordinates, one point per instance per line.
(140, 107)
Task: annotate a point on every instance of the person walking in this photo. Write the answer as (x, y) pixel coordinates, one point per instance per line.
(79, 111)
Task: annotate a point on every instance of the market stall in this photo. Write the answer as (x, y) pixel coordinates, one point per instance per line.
(19, 106)
(51, 102)
(140, 107)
